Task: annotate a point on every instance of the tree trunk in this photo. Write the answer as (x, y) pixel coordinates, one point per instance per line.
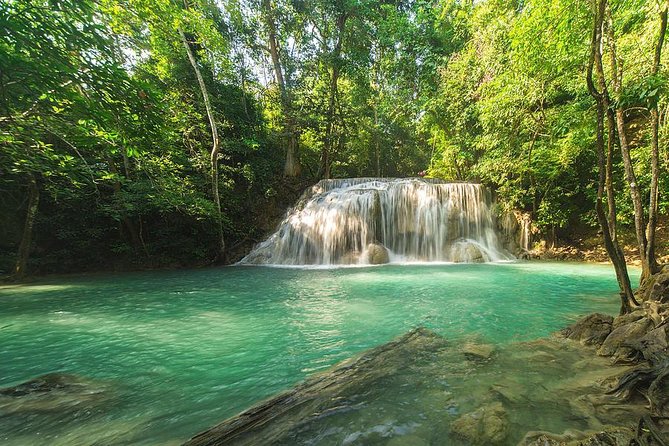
(292, 167)
(213, 156)
(334, 79)
(26, 238)
(601, 97)
(377, 148)
(630, 175)
(655, 153)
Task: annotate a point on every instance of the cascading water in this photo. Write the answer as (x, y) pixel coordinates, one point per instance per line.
(368, 221)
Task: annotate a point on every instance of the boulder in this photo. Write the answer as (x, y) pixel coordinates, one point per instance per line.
(628, 318)
(377, 254)
(465, 252)
(590, 330)
(487, 425)
(624, 336)
(477, 352)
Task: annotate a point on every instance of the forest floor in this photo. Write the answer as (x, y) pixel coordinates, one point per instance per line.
(585, 244)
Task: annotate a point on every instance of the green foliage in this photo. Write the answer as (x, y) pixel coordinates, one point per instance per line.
(100, 106)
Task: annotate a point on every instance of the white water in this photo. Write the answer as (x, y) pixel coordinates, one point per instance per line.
(416, 220)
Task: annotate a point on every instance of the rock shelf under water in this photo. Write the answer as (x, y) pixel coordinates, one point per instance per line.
(422, 390)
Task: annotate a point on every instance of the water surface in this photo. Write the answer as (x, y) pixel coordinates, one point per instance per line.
(179, 351)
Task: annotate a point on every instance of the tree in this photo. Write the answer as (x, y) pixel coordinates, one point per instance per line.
(292, 166)
(603, 105)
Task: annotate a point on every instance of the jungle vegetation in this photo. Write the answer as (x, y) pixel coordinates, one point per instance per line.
(137, 133)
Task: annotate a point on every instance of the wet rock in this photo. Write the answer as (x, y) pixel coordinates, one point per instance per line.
(628, 318)
(377, 254)
(303, 412)
(624, 335)
(487, 425)
(477, 352)
(465, 252)
(590, 330)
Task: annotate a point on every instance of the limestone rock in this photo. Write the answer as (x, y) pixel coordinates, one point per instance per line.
(480, 352)
(377, 254)
(466, 252)
(624, 335)
(627, 318)
(487, 425)
(590, 330)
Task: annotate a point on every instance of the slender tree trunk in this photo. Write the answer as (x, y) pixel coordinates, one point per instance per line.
(334, 79)
(292, 167)
(630, 175)
(126, 227)
(655, 153)
(26, 238)
(215, 147)
(610, 151)
(377, 148)
(611, 244)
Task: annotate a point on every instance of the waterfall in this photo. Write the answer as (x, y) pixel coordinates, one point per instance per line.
(371, 220)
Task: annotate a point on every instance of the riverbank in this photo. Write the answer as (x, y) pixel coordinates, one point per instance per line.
(584, 244)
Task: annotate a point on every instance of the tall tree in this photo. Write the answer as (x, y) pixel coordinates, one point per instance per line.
(648, 264)
(606, 221)
(292, 167)
(653, 205)
(215, 147)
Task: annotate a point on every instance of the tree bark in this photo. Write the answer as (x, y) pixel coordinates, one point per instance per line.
(601, 97)
(334, 79)
(213, 156)
(26, 238)
(630, 175)
(655, 153)
(292, 167)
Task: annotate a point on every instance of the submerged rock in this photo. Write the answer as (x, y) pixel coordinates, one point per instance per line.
(298, 416)
(51, 392)
(477, 352)
(590, 330)
(614, 436)
(487, 425)
(377, 254)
